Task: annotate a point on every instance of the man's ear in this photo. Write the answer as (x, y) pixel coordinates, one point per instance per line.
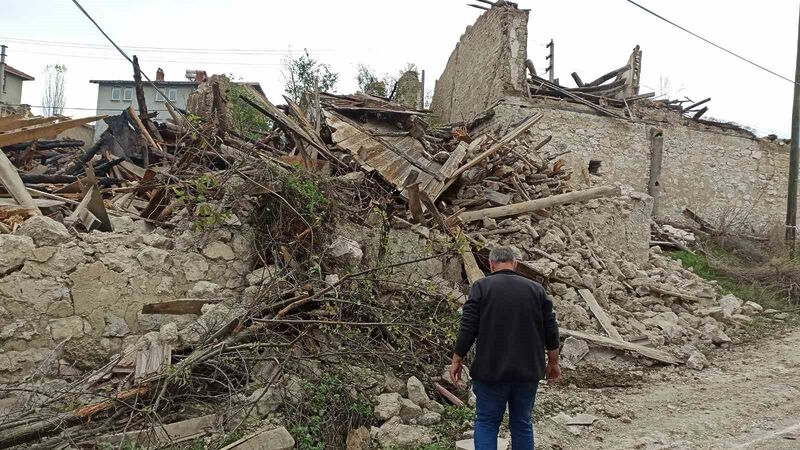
(514, 265)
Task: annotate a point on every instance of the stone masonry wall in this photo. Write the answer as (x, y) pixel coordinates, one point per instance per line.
(84, 293)
(487, 63)
(720, 174)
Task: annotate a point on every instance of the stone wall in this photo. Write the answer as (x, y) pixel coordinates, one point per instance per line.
(487, 63)
(724, 175)
(83, 293)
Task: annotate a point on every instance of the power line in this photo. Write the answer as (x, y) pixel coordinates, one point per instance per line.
(238, 51)
(75, 108)
(709, 42)
(182, 61)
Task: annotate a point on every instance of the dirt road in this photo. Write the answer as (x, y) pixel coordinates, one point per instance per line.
(749, 399)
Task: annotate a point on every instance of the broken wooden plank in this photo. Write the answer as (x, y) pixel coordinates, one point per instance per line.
(654, 354)
(670, 293)
(700, 113)
(260, 103)
(260, 440)
(137, 122)
(14, 185)
(176, 307)
(152, 359)
(577, 79)
(608, 76)
(36, 132)
(163, 435)
(454, 161)
(474, 272)
(523, 127)
(552, 86)
(448, 395)
(91, 211)
(431, 207)
(600, 314)
(695, 105)
(414, 203)
(497, 198)
(542, 203)
(22, 122)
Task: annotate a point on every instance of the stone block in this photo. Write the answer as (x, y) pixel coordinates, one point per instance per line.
(14, 251)
(44, 231)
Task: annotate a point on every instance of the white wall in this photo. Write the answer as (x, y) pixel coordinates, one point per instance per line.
(106, 106)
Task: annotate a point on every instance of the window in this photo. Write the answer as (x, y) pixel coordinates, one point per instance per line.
(159, 97)
(116, 94)
(127, 95)
(173, 95)
(594, 166)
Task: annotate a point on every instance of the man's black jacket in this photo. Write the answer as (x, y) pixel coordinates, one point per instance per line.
(513, 321)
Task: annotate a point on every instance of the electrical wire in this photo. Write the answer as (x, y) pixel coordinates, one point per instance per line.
(181, 61)
(75, 108)
(711, 43)
(182, 50)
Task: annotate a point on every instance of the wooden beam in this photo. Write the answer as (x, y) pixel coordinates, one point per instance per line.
(474, 272)
(562, 91)
(176, 307)
(541, 203)
(577, 79)
(695, 105)
(600, 314)
(608, 76)
(14, 185)
(500, 144)
(654, 354)
(448, 395)
(37, 132)
(700, 113)
(21, 123)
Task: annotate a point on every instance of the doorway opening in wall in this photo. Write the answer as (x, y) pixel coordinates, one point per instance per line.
(594, 166)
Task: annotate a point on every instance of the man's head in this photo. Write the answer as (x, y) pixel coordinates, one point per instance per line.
(502, 258)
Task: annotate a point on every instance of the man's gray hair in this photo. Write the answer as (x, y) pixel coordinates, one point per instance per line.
(501, 255)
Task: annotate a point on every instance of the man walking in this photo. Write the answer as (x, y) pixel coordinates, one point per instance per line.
(513, 322)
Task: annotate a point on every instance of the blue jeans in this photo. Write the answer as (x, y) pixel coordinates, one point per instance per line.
(491, 405)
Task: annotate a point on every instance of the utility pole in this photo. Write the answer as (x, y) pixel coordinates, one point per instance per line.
(2, 69)
(552, 57)
(794, 157)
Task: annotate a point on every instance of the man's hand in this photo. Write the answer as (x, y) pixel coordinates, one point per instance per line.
(553, 371)
(455, 369)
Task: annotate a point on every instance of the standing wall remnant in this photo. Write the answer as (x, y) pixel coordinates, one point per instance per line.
(487, 64)
(725, 176)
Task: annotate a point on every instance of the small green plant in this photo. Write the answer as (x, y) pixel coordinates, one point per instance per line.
(329, 408)
(306, 189)
(197, 193)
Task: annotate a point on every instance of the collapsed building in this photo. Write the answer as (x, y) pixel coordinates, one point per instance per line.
(178, 281)
(607, 129)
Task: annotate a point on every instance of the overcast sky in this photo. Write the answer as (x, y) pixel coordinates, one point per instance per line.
(592, 37)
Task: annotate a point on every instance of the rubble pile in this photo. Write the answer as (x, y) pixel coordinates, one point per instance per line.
(198, 279)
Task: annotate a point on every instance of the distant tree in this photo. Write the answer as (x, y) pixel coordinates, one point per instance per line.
(300, 74)
(53, 97)
(369, 83)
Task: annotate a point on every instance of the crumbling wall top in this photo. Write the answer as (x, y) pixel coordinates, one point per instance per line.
(487, 63)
